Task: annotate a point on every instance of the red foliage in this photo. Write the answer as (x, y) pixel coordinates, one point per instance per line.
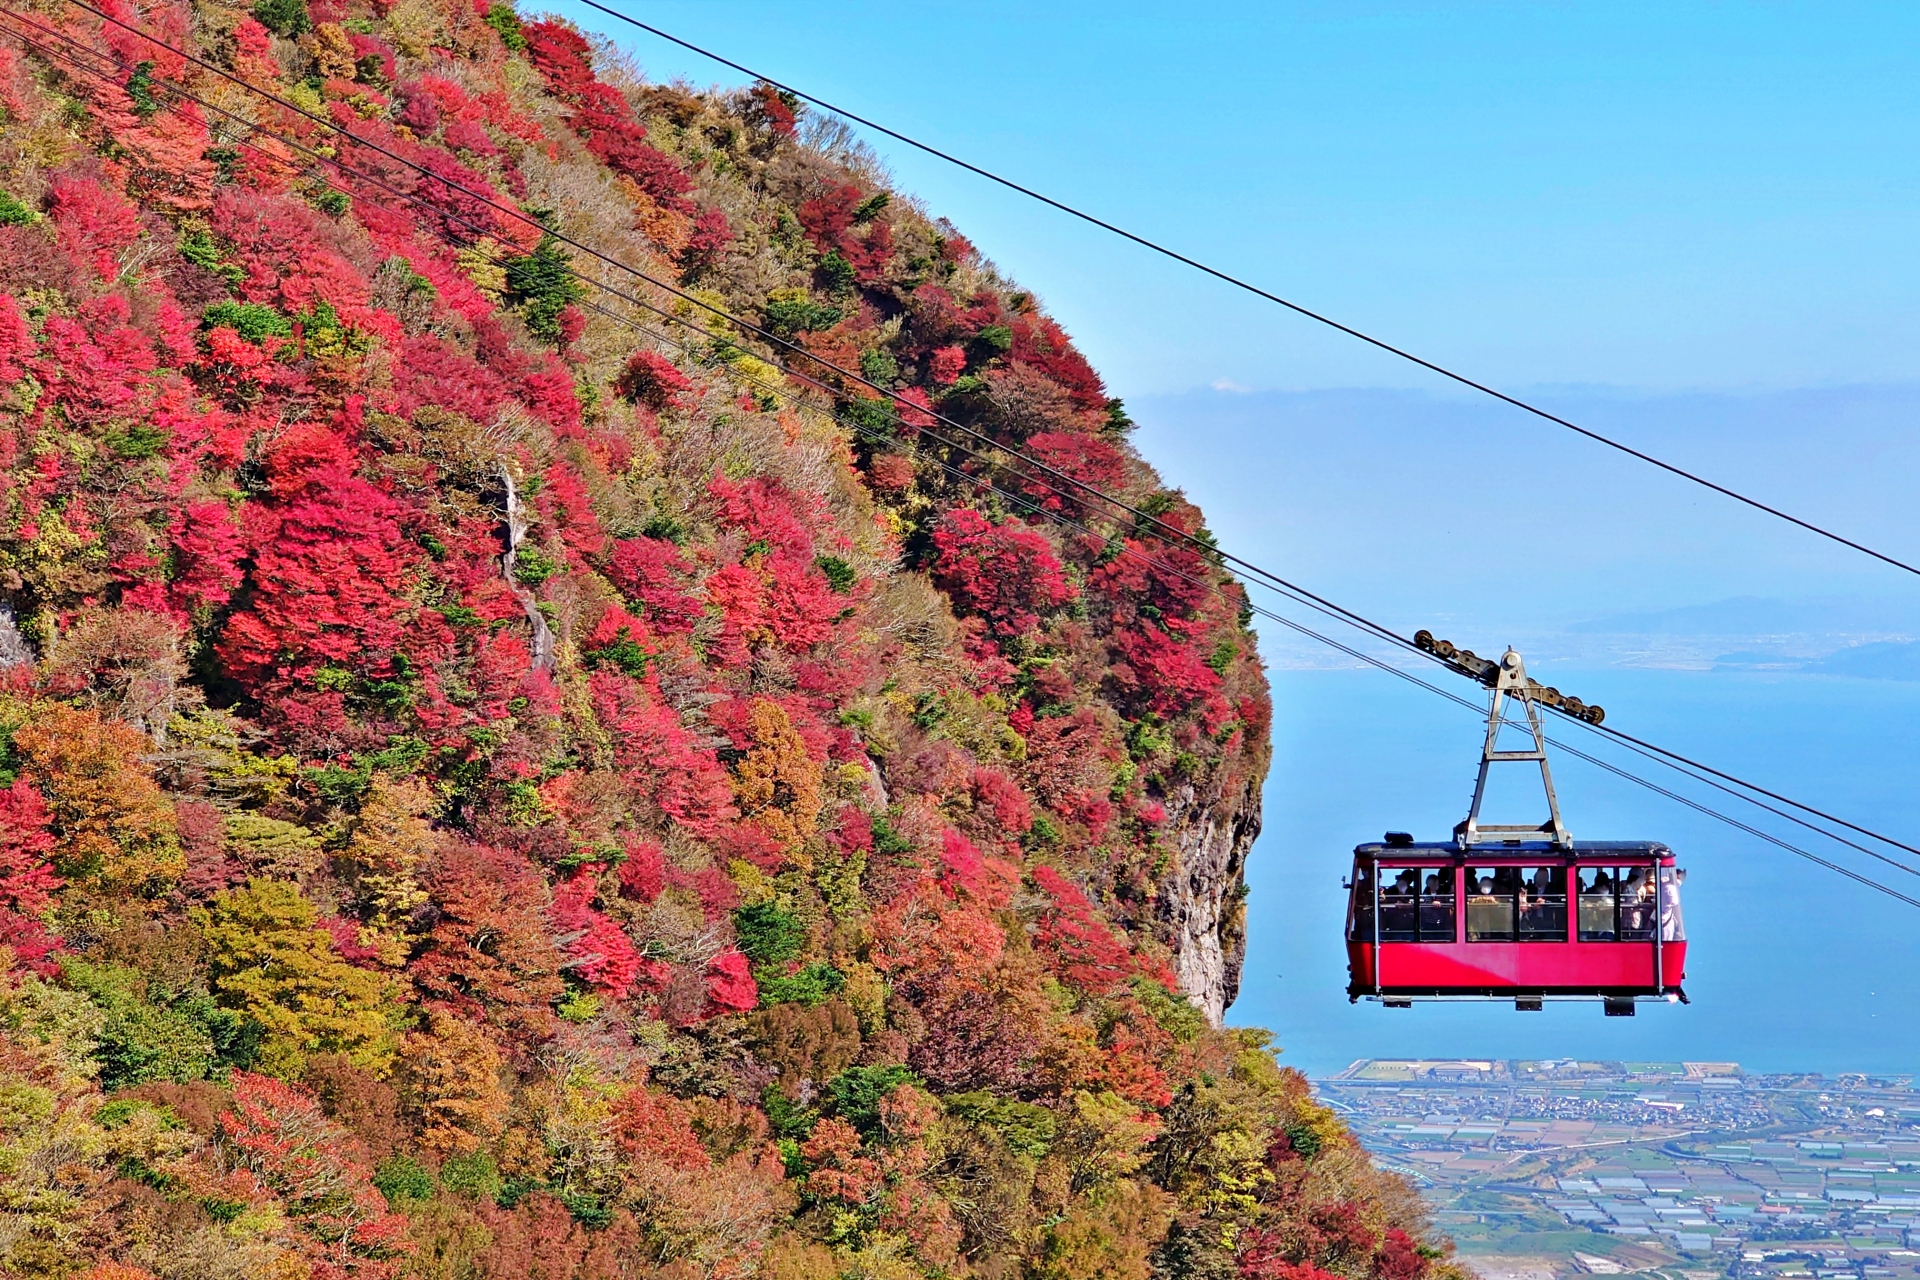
(96, 365)
(1077, 944)
(598, 950)
(1006, 574)
(915, 409)
(329, 578)
(975, 1039)
(601, 117)
(538, 1239)
(1399, 1258)
(663, 762)
(566, 506)
(766, 511)
(489, 955)
(1166, 674)
(709, 238)
(1001, 797)
(207, 550)
(773, 109)
(96, 224)
(659, 1127)
(831, 225)
(652, 574)
(651, 379)
(346, 940)
(946, 365)
(318, 1170)
(27, 881)
(784, 601)
(1088, 459)
(891, 472)
(643, 873)
(1174, 578)
(730, 987)
(1263, 1257)
(1039, 342)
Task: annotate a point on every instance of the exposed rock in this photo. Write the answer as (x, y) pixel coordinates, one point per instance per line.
(1212, 825)
(13, 646)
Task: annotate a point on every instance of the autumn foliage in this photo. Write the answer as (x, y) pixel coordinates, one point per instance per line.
(490, 791)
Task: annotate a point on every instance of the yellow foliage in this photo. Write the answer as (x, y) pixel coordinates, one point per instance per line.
(115, 829)
(778, 784)
(1103, 1139)
(452, 1079)
(210, 743)
(330, 49)
(57, 563)
(268, 960)
(480, 264)
(55, 1161)
(1112, 1237)
(283, 850)
(414, 26)
(391, 842)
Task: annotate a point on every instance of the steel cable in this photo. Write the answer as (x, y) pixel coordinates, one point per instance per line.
(1025, 502)
(1259, 292)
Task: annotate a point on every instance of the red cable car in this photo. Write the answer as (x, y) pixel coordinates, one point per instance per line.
(1521, 913)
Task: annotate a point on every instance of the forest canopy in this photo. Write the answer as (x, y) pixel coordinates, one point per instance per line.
(569, 707)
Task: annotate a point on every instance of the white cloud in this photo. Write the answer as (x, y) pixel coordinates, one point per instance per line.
(1230, 386)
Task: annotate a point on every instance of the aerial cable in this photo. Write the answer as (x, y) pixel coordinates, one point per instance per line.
(1288, 589)
(1081, 487)
(1163, 528)
(1645, 748)
(1028, 503)
(1285, 588)
(1249, 287)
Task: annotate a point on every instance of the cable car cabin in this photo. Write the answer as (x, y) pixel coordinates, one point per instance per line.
(1524, 913)
(1525, 921)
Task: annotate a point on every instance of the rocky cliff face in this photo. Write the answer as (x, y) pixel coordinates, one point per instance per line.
(1202, 898)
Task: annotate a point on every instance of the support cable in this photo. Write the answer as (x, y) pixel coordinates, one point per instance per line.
(1029, 504)
(1254, 289)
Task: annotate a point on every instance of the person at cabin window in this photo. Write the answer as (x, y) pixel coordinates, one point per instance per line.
(1362, 905)
(1596, 905)
(1543, 904)
(1495, 894)
(1399, 916)
(1672, 927)
(1436, 907)
(1636, 907)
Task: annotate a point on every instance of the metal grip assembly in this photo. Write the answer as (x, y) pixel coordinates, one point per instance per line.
(1487, 672)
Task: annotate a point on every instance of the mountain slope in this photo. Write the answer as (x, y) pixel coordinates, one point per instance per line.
(506, 776)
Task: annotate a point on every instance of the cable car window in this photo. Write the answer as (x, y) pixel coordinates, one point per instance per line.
(1436, 906)
(1399, 910)
(1360, 929)
(1493, 903)
(1543, 904)
(1672, 927)
(1635, 887)
(1598, 907)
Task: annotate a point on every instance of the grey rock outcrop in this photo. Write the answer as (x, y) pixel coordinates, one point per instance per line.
(1212, 824)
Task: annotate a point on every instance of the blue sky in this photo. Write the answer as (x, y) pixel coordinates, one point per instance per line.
(1654, 196)
(1687, 225)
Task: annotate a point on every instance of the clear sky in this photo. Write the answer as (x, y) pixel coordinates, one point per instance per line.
(1688, 225)
(1654, 196)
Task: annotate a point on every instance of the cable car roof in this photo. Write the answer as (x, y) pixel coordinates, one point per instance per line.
(1490, 850)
